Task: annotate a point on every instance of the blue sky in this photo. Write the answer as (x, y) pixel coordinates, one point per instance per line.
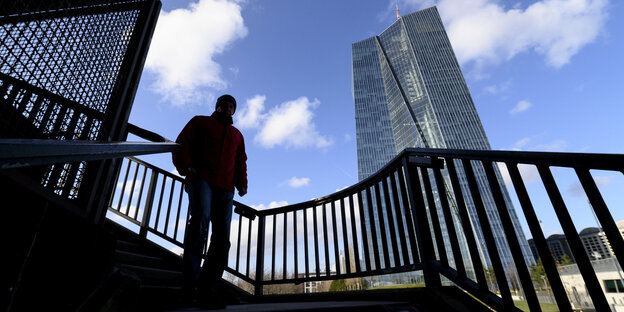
(544, 75)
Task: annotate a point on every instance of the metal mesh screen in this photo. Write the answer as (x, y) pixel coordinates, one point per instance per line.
(62, 65)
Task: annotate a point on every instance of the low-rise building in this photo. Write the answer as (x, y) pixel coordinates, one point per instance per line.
(611, 279)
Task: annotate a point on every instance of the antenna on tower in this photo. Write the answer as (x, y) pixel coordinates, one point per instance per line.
(397, 9)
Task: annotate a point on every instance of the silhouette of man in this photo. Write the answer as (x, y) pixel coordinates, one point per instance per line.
(213, 159)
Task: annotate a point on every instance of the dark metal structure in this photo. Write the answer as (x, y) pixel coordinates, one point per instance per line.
(390, 222)
(69, 71)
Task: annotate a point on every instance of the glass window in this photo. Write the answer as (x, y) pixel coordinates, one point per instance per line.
(610, 286)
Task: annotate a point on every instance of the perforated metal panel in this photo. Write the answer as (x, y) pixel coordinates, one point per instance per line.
(68, 71)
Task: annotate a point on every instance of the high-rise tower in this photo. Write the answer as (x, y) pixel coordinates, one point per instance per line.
(409, 92)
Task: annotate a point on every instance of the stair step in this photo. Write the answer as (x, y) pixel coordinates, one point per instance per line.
(128, 246)
(155, 277)
(159, 298)
(140, 259)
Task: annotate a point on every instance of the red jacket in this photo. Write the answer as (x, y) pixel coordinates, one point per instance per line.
(215, 149)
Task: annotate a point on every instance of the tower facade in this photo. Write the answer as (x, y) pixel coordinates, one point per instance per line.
(409, 91)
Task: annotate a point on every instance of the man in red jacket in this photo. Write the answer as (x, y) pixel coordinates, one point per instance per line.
(213, 159)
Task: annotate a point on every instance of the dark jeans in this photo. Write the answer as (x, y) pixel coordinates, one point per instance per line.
(206, 204)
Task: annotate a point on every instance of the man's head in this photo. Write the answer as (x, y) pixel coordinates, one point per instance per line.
(226, 104)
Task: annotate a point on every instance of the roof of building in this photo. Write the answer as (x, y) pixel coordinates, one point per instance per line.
(590, 230)
(556, 237)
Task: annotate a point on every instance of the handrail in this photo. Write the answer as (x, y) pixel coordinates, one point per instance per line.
(595, 161)
(16, 153)
(558, 159)
(380, 225)
(146, 134)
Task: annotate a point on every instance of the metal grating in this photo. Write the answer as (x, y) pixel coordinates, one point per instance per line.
(64, 65)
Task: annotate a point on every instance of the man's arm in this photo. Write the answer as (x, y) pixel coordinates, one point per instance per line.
(182, 158)
(240, 168)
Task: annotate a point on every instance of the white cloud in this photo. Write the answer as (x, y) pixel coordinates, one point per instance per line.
(234, 70)
(555, 146)
(250, 115)
(295, 182)
(485, 31)
(128, 188)
(273, 204)
(504, 173)
(185, 44)
(297, 217)
(520, 144)
(498, 88)
(528, 173)
(289, 124)
(521, 107)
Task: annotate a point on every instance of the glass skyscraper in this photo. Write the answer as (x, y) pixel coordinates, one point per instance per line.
(409, 92)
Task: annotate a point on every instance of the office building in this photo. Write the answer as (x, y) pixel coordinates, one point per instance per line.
(596, 244)
(558, 245)
(409, 91)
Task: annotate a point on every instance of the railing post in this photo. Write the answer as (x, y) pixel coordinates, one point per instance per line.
(147, 211)
(421, 224)
(260, 256)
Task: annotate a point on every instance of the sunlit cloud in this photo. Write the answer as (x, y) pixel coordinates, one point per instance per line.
(184, 46)
(555, 146)
(289, 124)
(488, 31)
(520, 107)
(250, 114)
(528, 173)
(498, 88)
(295, 182)
(130, 187)
(273, 204)
(518, 145)
(285, 227)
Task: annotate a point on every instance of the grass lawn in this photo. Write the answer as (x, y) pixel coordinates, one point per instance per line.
(400, 286)
(522, 305)
(546, 307)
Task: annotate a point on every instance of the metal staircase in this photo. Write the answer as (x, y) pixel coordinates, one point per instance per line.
(156, 273)
(63, 153)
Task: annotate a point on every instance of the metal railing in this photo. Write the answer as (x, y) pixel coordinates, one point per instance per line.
(391, 223)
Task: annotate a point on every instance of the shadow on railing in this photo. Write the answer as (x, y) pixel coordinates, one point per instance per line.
(384, 224)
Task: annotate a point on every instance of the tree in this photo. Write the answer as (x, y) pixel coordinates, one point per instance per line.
(490, 277)
(565, 260)
(364, 283)
(338, 285)
(538, 274)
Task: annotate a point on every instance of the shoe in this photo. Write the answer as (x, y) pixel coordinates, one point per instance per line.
(214, 303)
(210, 300)
(189, 297)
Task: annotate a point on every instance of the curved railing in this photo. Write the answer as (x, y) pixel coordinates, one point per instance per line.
(384, 224)
(329, 235)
